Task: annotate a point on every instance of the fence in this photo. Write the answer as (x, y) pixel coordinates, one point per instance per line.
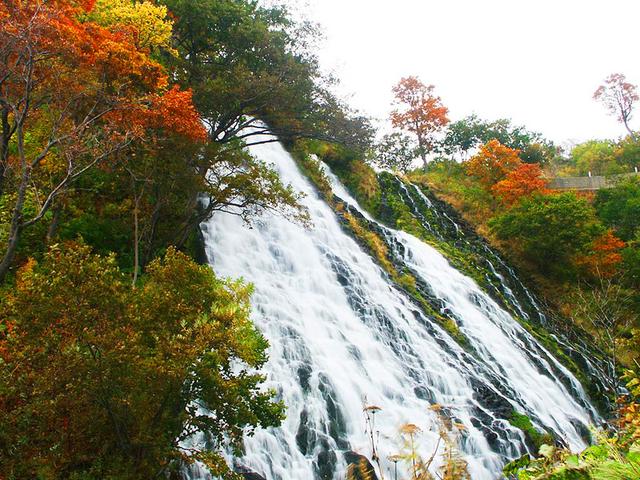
(588, 183)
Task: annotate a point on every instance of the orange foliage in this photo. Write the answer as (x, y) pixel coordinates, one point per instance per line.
(84, 74)
(604, 257)
(175, 111)
(420, 112)
(524, 180)
(171, 111)
(493, 163)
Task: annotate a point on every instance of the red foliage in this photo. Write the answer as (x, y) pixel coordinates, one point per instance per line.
(89, 74)
(493, 163)
(174, 111)
(618, 96)
(524, 180)
(604, 258)
(419, 111)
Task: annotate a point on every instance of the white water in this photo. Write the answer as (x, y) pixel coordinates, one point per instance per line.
(340, 333)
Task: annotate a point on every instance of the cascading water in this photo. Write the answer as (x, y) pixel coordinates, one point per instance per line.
(342, 335)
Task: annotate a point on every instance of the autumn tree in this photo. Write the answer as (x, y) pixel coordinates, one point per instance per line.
(618, 96)
(104, 381)
(73, 95)
(525, 180)
(492, 163)
(419, 112)
(604, 256)
(147, 24)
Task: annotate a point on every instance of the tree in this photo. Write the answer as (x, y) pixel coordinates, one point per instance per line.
(618, 96)
(596, 157)
(549, 230)
(104, 381)
(395, 151)
(73, 94)
(628, 154)
(631, 262)
(619, 208)
(604, 256)
(525, 180)
(147, 23)
(419, 112)
(470, 132)
(252, 76)
(492, 163)
(605, 309)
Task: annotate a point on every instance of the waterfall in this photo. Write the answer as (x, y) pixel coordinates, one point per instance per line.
(343, 336)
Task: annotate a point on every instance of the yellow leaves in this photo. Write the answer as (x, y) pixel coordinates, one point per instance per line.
(147, 23)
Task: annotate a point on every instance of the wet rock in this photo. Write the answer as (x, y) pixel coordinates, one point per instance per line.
(248, 474)
(361, 466)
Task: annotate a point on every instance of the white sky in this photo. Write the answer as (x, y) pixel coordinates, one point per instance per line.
(536, 62)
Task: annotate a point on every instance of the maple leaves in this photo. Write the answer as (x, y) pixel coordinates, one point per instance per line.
(171, 112)
(525, 180)
(492, 163)
(500, 170)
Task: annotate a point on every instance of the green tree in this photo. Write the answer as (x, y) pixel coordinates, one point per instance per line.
(619, 208)
(396, 151)
(100, 380)
(631, 264)
(249, 64)
(464, 135)
(595, 156)
(628, 154)
(549, 229)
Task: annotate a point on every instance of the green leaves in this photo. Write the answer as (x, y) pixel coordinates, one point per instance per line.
(549, 229)
(103, 376)
(619, 208)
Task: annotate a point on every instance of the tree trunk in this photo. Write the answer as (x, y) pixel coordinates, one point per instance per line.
(423, 152)
(136, 232)
(16, 218)
(14, 237)
(4, 146)
(53, 226)
(631, 132)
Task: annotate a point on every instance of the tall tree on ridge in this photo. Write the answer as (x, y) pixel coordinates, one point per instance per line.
(418, 111)
(618, 96)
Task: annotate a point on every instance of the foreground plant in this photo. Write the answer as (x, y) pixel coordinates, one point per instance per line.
(615, 456)
(101, 380)
(453, 466)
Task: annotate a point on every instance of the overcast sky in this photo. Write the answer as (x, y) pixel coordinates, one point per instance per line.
(536, 62)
